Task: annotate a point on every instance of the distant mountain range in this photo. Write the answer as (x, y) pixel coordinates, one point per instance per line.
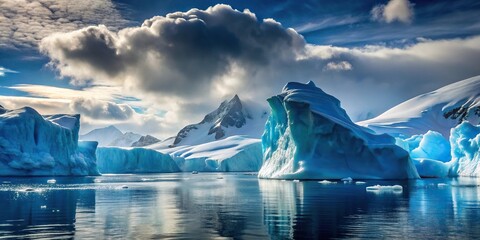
(112, 136)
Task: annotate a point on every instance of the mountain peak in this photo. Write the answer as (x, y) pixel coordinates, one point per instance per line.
(229, 114)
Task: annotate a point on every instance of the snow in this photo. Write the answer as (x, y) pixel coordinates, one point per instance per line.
(104, 136)
(309, 136)
(134, 160)
(465, 142)
(31, 145)
(126, 140)
(439, 111)
(232, 154)
(234, 117)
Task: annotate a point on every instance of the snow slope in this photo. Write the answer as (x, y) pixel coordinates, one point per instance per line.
(439, 111)
(104, 136)
(234, 117)
(134, 160)
(232, 154)
(31, 145)
(309, 136)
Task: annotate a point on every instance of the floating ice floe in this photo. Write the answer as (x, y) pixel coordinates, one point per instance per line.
(375, 188)
(360, 182)
(51, 181)
(327, 182)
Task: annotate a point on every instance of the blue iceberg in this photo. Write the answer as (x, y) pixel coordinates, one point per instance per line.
(465, 143)
(309, 136)
(134, 160)
(36, 145)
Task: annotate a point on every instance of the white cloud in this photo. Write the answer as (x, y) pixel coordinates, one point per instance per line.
(338, 66)
(394, 10)
(187, 62)
(23, 23)
(5, 70)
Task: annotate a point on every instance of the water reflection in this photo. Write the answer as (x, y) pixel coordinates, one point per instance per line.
(207, 206)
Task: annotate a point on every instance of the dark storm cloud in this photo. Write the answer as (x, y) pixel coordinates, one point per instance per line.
(178, 54)
(98, 109)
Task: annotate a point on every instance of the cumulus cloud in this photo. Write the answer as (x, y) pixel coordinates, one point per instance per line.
(338, 66)
(187, 62)
(5, 70)
(101, 109)
(394, 10)
(23, 23)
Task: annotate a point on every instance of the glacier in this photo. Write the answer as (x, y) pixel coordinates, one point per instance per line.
(465, 143)
(36, 145)
(439, 111)
(309, 136)
(134, 160)
(232, 154)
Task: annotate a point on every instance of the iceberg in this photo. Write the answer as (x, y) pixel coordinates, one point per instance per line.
(232, 154)
(430, 153)
(465, 143)
(36, 145)
(134, 160)
(309, 136)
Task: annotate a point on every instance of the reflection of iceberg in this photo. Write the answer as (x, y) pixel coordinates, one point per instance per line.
(308, 210)
(46, 214)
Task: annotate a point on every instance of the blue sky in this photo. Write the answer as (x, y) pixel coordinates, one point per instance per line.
(359, 51)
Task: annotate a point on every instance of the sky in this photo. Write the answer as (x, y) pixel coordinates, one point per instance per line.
(152, 67)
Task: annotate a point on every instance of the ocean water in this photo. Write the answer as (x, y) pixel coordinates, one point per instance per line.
(235, 206)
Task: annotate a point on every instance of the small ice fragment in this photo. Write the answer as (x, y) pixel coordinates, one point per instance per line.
(43, 207)
(394, 188)
(397, 188)
(441, 185)
(124, 186)
(347, 180)
(51, 181)
(296, 180)
(326, 182)
(359, 182)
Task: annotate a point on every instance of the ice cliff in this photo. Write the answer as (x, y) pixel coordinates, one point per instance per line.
(35, 145)
(309, 136)
(134, 160)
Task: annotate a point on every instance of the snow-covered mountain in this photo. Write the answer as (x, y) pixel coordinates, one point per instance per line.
(126, 140)
(145, 141)
(234, 117)
(111, 136)
(104, 136)
(439, 111)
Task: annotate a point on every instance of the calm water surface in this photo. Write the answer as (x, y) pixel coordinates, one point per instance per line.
(235, 205)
